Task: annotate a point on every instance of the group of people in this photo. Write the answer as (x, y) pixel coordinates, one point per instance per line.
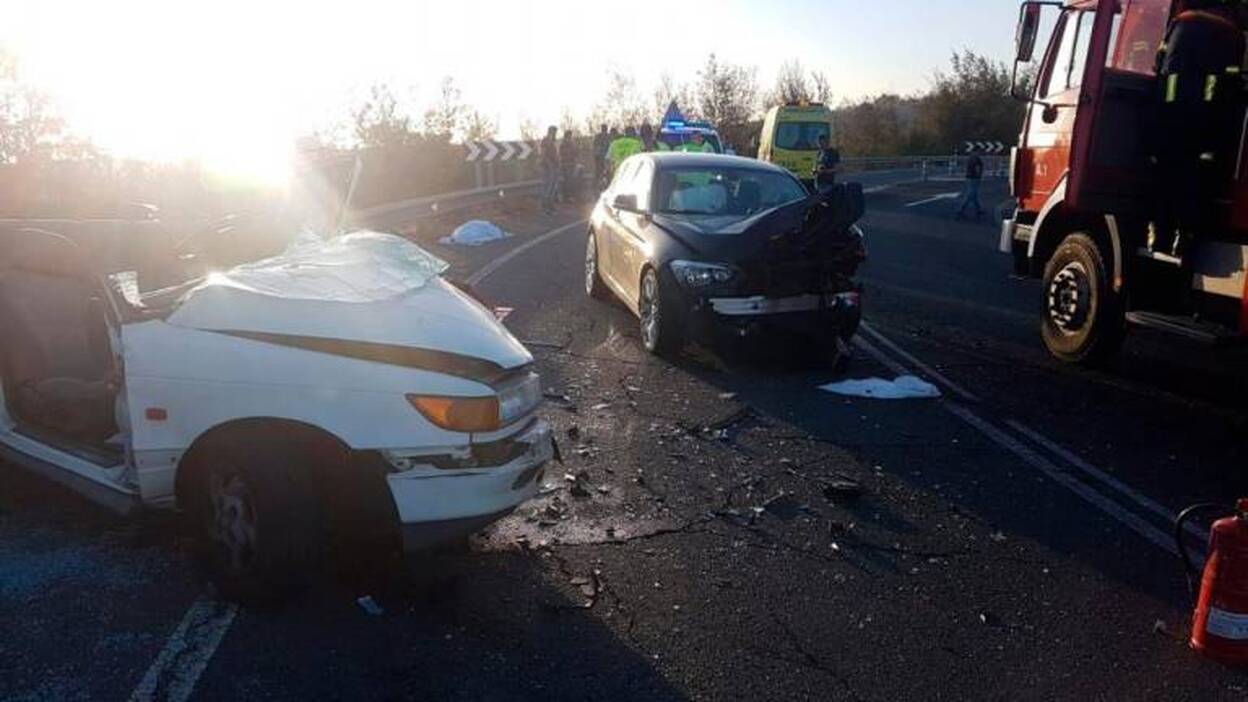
(560, 157)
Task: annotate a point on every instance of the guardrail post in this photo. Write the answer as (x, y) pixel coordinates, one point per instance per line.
(924, 167)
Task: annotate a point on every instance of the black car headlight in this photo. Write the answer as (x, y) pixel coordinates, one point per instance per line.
(698, 276)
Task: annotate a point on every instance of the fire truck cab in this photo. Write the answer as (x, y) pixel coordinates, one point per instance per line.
(1086, 186)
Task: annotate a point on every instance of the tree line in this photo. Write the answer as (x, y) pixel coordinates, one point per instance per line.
(968, 100)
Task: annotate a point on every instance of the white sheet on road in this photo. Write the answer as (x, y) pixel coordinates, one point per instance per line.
(475, 233)
(901, 388)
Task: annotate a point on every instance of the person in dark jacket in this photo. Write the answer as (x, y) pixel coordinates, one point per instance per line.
(826, 163)
(568, 155)
(970, 191)
(1201, 104)
(602, 140)
(550, 169)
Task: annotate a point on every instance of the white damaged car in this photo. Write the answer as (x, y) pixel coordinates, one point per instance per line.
(342, 385)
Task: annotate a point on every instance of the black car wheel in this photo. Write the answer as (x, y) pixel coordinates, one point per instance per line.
(594, 287)
(660, 330)
(1082, 320)
(261, 520)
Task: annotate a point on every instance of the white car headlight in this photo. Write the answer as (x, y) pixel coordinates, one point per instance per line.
(693, 274)
(519, 397)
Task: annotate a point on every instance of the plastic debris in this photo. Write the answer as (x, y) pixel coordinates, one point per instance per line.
(370, 606)
(474, 233)
(900, 388)
(841, 487)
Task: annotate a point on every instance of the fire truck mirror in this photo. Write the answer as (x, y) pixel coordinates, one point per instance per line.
(1028, 28)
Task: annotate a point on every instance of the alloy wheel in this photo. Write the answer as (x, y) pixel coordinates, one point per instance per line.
(233, 526)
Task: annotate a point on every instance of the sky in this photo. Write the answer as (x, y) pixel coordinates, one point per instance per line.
(232, 82)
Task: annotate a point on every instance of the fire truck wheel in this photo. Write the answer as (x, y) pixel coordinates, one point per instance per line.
(1082, 319)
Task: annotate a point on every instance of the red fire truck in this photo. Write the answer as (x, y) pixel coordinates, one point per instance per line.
(1083, 179)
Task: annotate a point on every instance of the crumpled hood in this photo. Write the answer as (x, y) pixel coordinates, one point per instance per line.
(364, 286)
(733, 237)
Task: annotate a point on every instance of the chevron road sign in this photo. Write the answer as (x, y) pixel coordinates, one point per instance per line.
(488, 150)
(984, 147)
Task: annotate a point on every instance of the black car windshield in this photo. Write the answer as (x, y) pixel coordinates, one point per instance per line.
(801, 136)
(723, 191)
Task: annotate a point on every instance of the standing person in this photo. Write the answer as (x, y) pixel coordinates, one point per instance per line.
(1200, 70)
(826, 163)
(567, 167)
(970, 192)
(647, 138)
(624, 147)
(602, 140)
(550, 170)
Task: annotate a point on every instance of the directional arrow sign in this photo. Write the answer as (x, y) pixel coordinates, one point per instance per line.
(491, 150)
(509, 150)
(474, 150)
(525, 150)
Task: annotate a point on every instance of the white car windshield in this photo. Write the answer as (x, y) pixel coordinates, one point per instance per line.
(723, 191)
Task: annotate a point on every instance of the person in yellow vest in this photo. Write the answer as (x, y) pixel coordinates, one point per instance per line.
(698, 145)
(624, 147)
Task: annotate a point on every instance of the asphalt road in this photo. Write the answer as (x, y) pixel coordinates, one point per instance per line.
(1008, 541)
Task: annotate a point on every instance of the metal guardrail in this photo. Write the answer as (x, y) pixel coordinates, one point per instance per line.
(926, 166)
(405, 211)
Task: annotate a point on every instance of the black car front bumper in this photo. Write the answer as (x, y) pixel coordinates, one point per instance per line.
(824, 315)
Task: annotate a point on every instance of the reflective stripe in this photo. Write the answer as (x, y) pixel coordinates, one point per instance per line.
(1232, 69)
(1172, 86)
(1211, 85)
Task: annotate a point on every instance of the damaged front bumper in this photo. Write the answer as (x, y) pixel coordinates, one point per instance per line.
(439, 505)
(819, 314)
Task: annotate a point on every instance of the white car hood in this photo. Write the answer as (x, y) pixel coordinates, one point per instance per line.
(364, 286)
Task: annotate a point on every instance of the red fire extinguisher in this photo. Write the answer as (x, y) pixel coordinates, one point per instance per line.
(1220, 620)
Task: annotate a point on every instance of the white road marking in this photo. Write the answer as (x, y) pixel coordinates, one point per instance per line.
(884, 359)
(931, 372)
(1132, 521)
(172, 676)
(1150, 532)
(1105, 478)
(489, 268)
(935, 198)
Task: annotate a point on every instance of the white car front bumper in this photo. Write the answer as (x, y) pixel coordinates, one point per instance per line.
(438, 507)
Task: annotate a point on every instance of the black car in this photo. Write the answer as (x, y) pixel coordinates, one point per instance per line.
(700, 244)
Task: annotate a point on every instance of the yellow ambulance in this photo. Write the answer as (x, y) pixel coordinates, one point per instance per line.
(790, 137)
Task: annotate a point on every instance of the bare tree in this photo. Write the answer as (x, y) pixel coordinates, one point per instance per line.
(821, 87)
(29, 125)
(567, 120)
(668, 91)
(529, 129)
(791, 85)
(727, 95)
(622, 103)
(479, 126)
(445, 119)
(378, 121)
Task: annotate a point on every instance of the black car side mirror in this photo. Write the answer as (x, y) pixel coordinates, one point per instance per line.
(628, 203)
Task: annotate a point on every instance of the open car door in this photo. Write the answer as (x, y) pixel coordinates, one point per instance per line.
(1110, 169)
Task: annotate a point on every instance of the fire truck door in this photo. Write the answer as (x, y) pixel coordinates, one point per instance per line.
(1110, 169)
